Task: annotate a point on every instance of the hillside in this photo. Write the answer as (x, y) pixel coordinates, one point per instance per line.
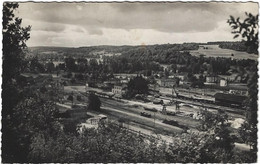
(164, 53)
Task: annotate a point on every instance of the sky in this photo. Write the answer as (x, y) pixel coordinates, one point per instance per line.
(90, 24)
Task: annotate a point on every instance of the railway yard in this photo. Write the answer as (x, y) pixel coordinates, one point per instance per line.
(148, 118)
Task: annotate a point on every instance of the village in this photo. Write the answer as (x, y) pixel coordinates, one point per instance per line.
(172, 105)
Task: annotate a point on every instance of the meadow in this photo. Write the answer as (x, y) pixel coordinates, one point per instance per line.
(215, 51)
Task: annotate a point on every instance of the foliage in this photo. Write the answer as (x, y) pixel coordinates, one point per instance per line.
(148, 61)
(93, 64)
(14, 38)
(71, 98)
(43, 140)
(35, 66)
(82, 65)
(50, 67)
(237, 46)
(219, 147)
(247, 29)
(248, 130)
(243, 157)
(210, 120)
(94, 102)
(30, 117)
(111, 143)
(79, 98)
(137, 85)
(108, 143)
(70, 64)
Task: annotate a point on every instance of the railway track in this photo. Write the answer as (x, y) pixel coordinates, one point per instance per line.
(206, 105)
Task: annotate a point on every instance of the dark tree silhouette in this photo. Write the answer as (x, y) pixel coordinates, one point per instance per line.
(137, 85)
(247, 29)
(70, 98)
(94, 102)
(14, 38)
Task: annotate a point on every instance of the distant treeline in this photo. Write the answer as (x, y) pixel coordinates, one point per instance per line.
(46, 52)
(144, 59)
(113, 49)
(164, 54)
(237, 46)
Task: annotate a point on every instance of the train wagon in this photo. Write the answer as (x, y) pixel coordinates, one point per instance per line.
(229, 99)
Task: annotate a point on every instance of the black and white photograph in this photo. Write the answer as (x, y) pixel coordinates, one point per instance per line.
(129, 82)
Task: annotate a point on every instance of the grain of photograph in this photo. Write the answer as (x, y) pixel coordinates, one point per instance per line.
(129, 82)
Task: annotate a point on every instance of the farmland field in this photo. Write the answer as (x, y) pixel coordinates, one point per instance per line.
(215, 51)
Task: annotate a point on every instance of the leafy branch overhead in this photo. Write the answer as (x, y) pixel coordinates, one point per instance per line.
(247, 29)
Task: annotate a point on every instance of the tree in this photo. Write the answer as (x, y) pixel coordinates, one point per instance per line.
(79, 98)
(82, 65)
(14, 38)
(247, 29)
(93, 64)
(94, 102)
(50, 67)
(36, 66)
(166, 73)
(219, 147)
(70, 98)
(138, 85)
(191, 77)
(248, 130)
(70, 64)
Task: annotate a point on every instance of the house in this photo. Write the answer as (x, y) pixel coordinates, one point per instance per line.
(119, 90)
(212, 79)
(154, 87)
(231, 78)
(124, 81)
(91, 122)
(182, 77)
(95, 120)
(167, 82)
(124, 75)
(223, 82)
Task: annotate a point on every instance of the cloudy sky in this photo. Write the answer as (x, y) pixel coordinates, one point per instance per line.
(87, 24)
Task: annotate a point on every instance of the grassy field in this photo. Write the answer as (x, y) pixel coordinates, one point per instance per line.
(215, 51)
